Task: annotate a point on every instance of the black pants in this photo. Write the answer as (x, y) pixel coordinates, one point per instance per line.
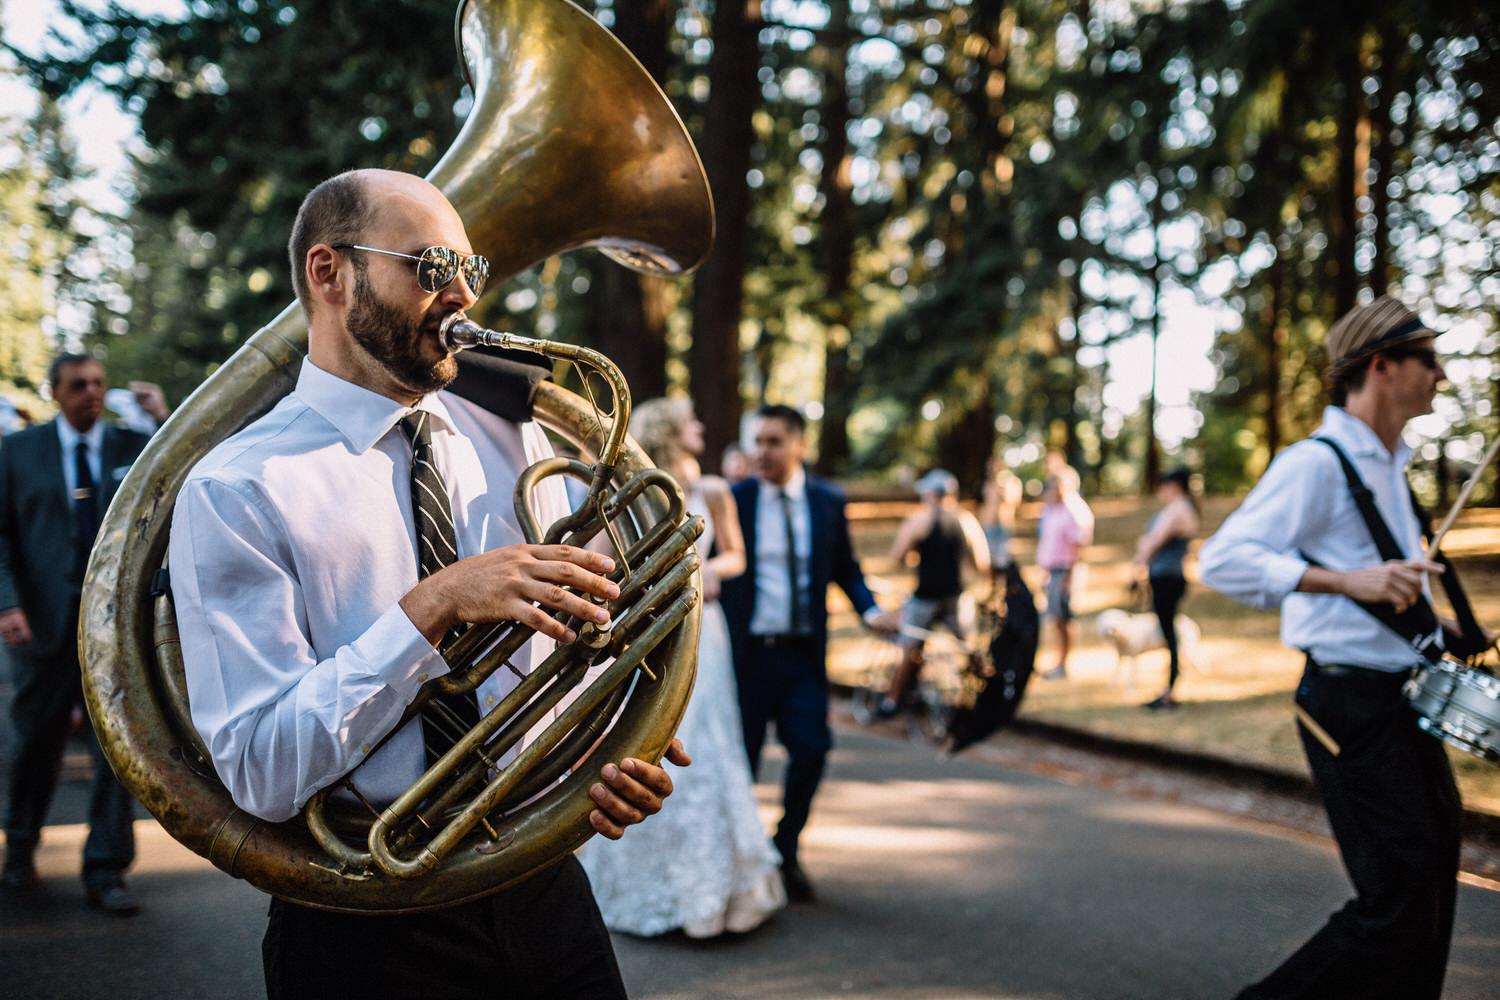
(542, 939)
(1396, 815)
(1166, 594)
(47, 690)
(785, 684)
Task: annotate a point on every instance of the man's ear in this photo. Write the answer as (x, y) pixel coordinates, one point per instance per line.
(325, 281)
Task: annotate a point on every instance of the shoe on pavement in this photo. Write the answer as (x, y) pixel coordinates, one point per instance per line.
(112, 895)
(19, 875)
(1055, 674)
(798, 888)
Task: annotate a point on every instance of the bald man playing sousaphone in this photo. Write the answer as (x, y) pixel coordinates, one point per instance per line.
(1358, 605)
(321, 556)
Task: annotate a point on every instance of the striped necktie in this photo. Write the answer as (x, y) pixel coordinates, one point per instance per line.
(446, 718)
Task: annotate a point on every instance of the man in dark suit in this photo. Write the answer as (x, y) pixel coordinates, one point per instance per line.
(778, 615)
(56, 479)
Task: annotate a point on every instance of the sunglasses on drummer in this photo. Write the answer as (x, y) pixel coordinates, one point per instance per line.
(438, 266)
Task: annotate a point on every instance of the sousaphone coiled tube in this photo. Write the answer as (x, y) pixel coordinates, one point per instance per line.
(588, 153)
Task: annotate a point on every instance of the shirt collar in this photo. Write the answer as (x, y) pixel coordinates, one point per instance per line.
(1359, 438)
(361, 416)
(796, 486)
(69, 435)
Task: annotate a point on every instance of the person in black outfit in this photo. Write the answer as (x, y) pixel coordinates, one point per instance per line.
(946, 540)
(1159, 555)
(1301, 540)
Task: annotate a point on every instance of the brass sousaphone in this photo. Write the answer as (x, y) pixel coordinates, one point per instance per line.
(570, 144)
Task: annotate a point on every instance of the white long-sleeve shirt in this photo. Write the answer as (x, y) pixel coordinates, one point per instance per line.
(1302, 507)
(292, 543)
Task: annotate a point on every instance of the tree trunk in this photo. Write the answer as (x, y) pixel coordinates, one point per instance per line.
(1346, 211)
(718, 289)
(630, 310)
(630, 326)
(1275, 334)
(965, 449)
(837, 239)
(1153, 451)
(1385, 159)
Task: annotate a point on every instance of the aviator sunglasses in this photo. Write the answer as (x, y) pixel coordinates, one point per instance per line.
(438, 266)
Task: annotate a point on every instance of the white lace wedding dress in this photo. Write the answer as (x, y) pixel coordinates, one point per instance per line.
(704, 863)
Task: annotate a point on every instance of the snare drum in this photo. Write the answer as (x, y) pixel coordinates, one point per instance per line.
(1460, 705)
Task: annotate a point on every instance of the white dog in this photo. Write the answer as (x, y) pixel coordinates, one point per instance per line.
(1134, 634)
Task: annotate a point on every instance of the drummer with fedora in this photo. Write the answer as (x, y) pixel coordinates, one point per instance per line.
(1300, 541)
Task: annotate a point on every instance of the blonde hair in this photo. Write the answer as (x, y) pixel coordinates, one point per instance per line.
(657, 426)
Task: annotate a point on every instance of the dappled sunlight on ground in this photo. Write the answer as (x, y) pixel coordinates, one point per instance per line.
(1237, 684)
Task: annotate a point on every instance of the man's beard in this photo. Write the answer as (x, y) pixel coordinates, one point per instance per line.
(394, 342)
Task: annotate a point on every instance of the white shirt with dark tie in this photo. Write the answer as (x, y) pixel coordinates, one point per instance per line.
(292, 544)
(69, 436)
(773, 597)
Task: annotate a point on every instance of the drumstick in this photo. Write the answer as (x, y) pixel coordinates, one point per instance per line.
(1321, 734)
(1463, 498)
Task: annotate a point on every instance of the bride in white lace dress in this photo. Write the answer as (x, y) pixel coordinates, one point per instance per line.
(704, 864)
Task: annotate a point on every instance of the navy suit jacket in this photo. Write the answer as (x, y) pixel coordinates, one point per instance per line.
(833, 561)
(36, 525)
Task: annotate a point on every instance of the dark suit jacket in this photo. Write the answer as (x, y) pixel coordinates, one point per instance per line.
(833, 561)
(36, 525)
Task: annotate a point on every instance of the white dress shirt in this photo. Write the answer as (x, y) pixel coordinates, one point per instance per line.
(292, 543)
(773, 598)
(69, 437)
(1302, 506)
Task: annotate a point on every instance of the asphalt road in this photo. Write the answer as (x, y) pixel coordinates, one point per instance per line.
(937, 880)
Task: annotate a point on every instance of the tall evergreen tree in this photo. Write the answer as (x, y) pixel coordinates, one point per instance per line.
(43, 223)
(243, 108)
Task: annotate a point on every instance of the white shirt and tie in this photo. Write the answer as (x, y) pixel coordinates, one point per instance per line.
(773, 590)
(292, 544)
(93, 439)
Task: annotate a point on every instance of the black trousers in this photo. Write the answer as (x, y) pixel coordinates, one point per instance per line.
(784, 683)
(47, 690)
(1396, 815)
(1166, 594)
(542, 939)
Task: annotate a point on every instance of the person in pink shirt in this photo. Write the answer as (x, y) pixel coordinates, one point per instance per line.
(1066, 526)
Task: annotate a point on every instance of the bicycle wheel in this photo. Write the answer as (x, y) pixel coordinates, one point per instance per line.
(880, 657)
(863, 703)
(938, 692)
(929, 717)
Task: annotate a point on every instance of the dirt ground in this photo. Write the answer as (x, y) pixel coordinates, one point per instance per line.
(1237, 682)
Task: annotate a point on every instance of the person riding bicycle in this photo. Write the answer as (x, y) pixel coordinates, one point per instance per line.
(945, 539)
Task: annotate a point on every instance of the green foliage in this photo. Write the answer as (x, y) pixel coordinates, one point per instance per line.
(243, 108)
(1027, 181)
(42, 224)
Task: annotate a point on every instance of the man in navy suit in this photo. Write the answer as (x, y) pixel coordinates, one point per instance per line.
(56, 479)
(778, 615)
